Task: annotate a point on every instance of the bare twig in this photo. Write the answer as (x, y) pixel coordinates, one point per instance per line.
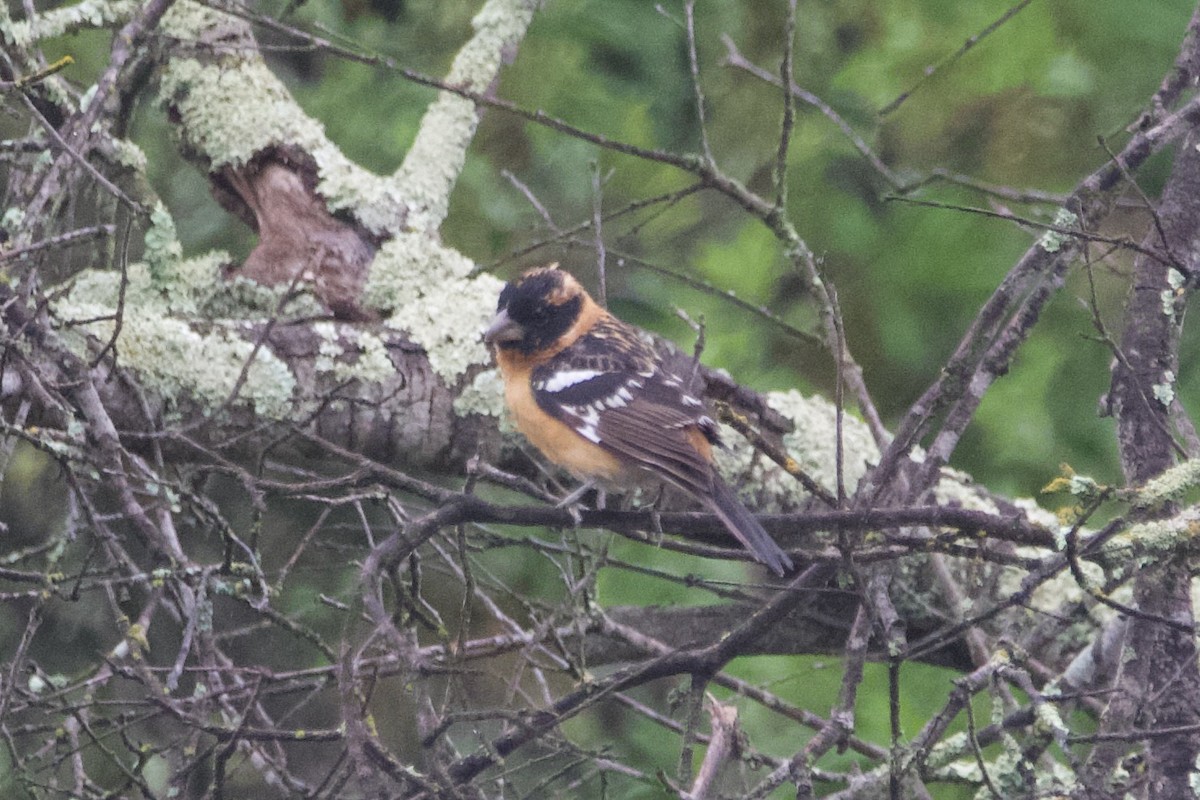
(949, 60)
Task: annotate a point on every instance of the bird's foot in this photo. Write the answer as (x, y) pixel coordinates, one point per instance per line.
(571, 501)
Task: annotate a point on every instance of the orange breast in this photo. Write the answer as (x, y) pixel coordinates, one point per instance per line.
(557, 441)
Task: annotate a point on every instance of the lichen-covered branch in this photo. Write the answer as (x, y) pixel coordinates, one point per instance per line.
(1159, 681)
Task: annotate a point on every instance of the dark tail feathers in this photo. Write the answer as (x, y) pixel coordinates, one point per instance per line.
(742, 524)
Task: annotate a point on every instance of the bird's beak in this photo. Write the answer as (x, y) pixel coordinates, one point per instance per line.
(503, 329)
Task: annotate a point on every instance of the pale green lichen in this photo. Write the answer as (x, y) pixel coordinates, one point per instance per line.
(67, 19)
(235, 108)
(435, 160)
(189, 21)
(99, 290)
(373, 364)
(13, 218)
(952, 759)
(170, 356)
(173, 360)
(348, 354)
(1176, 280)
(484, 395)
(499, 25)
(88, 95)
(176, 360)
(205, 96)
(1170, 485)
(182, 288)
(128, 154)
(231, 112)
(1165, 392)
(1083, 486)
(431, 295)
(162, 247)
(413, 260)
(1035, 513)
(1167, 298)
(448, 321)
(958, 489)
(1053, 240)
(1053, 595)
(813, 445)
(1048, 722)
(1009, 770)
(191, 288)
(329, 349)
(1146, 542)
(1060, 536)
(958, 770)
(241, 297)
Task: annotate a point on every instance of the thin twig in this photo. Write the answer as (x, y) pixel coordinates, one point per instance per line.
(61, 240)
(789, 107)
(955, 56)
(791, 466)
(734, 58)
(689, 16)
(24, 82)
(598, 235)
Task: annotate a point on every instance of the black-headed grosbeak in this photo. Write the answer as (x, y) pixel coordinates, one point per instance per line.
(595, 399)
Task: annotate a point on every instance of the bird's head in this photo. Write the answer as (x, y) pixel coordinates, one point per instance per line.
(536, 310)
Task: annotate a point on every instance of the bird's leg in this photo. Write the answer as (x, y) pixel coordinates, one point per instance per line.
(574, 497)
(656, 525)
(651, 506)
(571, 501)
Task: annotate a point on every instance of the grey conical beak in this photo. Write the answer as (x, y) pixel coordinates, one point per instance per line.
(503, 329)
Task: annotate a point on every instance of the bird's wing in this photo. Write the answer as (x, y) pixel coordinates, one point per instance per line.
(611, 389)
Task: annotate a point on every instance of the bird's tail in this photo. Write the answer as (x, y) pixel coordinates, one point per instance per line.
(742, 524)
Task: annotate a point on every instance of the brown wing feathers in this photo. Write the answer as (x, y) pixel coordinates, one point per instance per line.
(655, 436)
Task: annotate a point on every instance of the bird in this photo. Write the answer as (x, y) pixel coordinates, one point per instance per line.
(596, 399)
